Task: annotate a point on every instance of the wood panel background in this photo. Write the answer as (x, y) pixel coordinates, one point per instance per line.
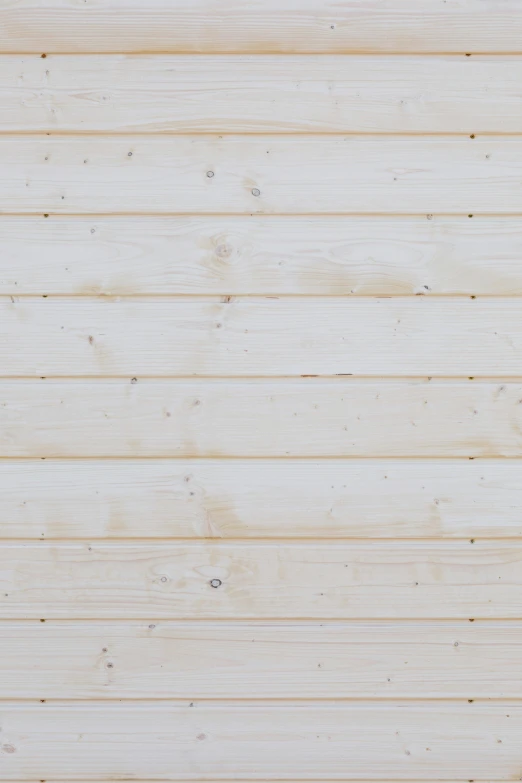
(260, 390)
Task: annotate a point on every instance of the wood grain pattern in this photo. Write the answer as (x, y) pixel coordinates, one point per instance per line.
(316, 580)
(200, 201)
(263, 93)
(306, 418)
(183, 498)
(261, 255)
(260, 174)
(261, 337)
(260, 26)
(262, 741)
(169, 660)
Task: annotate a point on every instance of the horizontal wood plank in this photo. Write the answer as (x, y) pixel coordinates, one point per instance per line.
(260, 174)
(169, 660)
(261, 26)
(250, 337)
(316, 580)
(260, 255)
(267, 741)
(56, 499)
(306, 418)
(264, 93)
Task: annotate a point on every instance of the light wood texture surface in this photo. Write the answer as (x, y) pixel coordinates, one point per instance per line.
(238, 499)
(261, 255)
(400, 740)
(261, 337)
(260, 174)
(174, 660)
(317, 580)
(260, 391)
(260, 26)
(260, 94)
(306, 418)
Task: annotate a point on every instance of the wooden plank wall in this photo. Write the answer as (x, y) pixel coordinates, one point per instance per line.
(260, 390)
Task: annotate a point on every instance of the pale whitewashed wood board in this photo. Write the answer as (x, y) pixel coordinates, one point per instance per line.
(269, 174)
(260, 390)
(260, 93)
(362, 255)
(465, 579)
(306, 418)
(197, 26)
(238, 499)
(260, 660)
(262, 741)
(225, 337)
